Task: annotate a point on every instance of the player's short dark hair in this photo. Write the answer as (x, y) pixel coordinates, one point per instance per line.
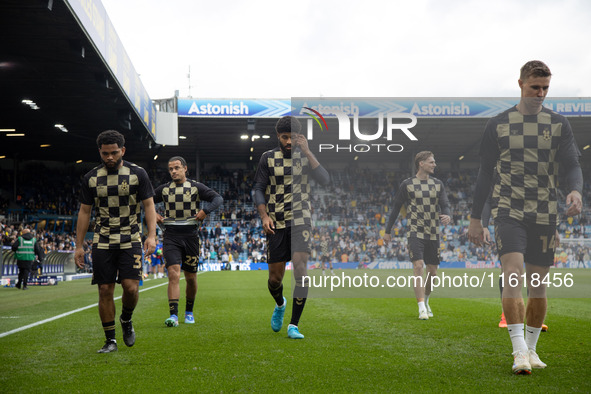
(109, 137)
(179, 158)
(288, 124)
(422, 156)
(534, 68)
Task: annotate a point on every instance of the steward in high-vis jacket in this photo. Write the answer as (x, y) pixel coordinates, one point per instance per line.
(25, 248)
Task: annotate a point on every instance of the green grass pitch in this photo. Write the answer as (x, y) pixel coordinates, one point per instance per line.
(351, 344)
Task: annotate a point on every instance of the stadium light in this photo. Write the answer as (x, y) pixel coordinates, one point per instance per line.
(256, 137)
(587, 147)
(2, 157)
(7, 130)
(266, 136)
(45, 145)
(182, 137)
(244, 137)
(78, 161)
(61, 127)
(15, 135)
(461, 157)
(30, 103)
(155, 157)
(252, 148)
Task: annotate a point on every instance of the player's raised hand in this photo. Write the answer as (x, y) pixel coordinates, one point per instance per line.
(302, 143)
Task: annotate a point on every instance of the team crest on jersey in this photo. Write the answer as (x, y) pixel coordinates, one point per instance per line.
(298, 166)
(514, 132)
(546, 134)
(187, 193)
(124, 186)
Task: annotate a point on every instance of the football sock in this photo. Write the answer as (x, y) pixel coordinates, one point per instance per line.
(189, 305)
(126, 314)
(427, 299)
(173, 306)
(422, 306)
(109, 329)
(531, 337)
(276, 293)
(298, 304)
(517, 339)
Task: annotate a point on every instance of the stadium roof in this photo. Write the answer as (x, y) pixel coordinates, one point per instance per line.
(48, 57)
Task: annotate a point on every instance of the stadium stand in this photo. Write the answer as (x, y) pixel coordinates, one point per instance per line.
(352, 210)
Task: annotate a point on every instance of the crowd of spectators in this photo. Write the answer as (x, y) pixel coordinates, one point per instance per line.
(50, 241)
(45, 190)
(352, 211)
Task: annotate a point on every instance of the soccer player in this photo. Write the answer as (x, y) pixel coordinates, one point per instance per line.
(520, 154)
(182, 198)
(283, 176)
(325, 254)
(116, 188)
(423, 195)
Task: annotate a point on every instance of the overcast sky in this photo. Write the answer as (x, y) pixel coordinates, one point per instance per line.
(368, 48)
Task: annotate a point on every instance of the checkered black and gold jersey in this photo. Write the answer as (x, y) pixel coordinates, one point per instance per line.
(324, 247)
(423, 200)
(527, 149)
(182, 201)
(116, 196)
(287, 190)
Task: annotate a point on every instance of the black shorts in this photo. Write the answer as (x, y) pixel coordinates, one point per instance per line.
(113, 265)
(424, 249)
(325, 258)
(24, 265)
(286, 241)
(534, 241)
(183, 250)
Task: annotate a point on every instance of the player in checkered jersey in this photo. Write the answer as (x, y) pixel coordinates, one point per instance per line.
(182, 198)
(282, 197)
(427, 206)
(116, 188)
(521, 152)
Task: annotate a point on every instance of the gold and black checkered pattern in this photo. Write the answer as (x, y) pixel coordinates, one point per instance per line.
(422, 206)
(526, 171)
(116, 196)
(288, 190)
(180, 201)
(324, 247)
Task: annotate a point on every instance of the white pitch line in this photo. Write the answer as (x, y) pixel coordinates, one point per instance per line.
(7, 333)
